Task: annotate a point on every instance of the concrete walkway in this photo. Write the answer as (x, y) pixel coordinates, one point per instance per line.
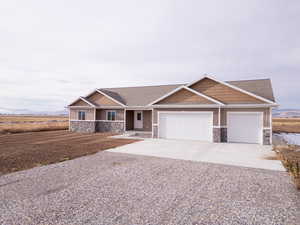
(246, 155)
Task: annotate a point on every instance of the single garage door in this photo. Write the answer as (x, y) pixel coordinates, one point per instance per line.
(245, 127)
(186, 125)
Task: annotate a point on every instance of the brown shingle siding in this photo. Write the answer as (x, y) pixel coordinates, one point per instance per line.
(184, 97)
(223, 93)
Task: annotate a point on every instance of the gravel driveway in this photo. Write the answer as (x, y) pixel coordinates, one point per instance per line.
(115, 188)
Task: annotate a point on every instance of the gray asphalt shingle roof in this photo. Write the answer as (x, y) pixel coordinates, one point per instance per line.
(142, 96)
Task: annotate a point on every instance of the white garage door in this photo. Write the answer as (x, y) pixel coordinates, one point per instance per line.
(186, 125)
(245, 127)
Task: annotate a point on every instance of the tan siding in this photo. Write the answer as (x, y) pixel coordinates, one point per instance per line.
(80, 103)
(223, 93)
(89, 114)
(214, 110)
(147, 120)
(101, 100)
(101, 114)
(184, 97)
(266, 112)
(129, 119)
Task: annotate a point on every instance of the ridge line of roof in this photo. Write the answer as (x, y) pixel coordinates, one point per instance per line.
(141, 86)
(248, 80)
(177, 84)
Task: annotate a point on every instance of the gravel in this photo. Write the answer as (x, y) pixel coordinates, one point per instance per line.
(115, 188)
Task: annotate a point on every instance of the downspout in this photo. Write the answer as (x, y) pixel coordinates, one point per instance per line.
(271, 126)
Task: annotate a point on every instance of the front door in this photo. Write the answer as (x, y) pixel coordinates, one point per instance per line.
(138, 119)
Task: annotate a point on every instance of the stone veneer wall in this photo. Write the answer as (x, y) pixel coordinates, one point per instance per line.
(223, 134)
(267, 137)
(105, 126)
(155, 131)
(216, 134)
(83, 126)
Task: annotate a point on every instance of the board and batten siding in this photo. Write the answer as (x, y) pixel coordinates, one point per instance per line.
(89, 114)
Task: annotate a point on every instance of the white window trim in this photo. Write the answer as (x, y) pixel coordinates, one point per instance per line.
(106, 115)
(79, 112)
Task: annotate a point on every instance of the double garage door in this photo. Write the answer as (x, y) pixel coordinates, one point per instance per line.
(242, 127)
(186, 125)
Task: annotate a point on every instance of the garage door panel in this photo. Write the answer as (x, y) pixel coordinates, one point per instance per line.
(191, 126)
(245, 127)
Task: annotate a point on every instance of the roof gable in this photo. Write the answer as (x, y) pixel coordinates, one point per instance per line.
(80, 102)
(99, 99)
(226, 93)
(184, 97)
(261, 87)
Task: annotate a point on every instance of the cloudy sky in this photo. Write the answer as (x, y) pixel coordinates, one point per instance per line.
(53, 51)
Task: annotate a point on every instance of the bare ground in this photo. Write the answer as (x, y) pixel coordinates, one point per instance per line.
(28, 150)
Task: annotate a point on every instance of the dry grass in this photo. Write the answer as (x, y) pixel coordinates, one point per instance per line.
(19, 124)
(32, 118)
(290, 158)
(286, 125)
(29, 127)
(273, 157)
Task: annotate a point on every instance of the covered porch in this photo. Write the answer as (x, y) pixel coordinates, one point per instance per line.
(138, 120)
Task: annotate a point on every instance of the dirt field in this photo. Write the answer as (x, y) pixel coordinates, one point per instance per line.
(287, 125)
(19, 124)
(28, 150)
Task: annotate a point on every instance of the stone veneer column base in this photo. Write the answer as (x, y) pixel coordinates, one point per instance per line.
(223, 134)
(220, 135)
(155, 131)
(106, 126)
(267, 137)
(217, 135)
(82, 126)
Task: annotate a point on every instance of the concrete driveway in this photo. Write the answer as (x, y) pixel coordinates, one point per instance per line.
(246, 155)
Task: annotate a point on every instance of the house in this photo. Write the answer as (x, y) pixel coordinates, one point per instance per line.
(207, 110)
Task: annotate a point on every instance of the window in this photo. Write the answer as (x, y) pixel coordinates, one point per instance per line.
(111, 115)
(139, 116)
(81, 115)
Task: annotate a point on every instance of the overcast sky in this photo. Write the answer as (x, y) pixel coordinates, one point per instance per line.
(53, 51)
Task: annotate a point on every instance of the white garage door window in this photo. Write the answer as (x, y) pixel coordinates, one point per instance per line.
(186, 125)
(245, 127)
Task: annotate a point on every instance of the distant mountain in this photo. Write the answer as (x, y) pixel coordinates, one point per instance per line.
(286, 113)
(9, 111)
